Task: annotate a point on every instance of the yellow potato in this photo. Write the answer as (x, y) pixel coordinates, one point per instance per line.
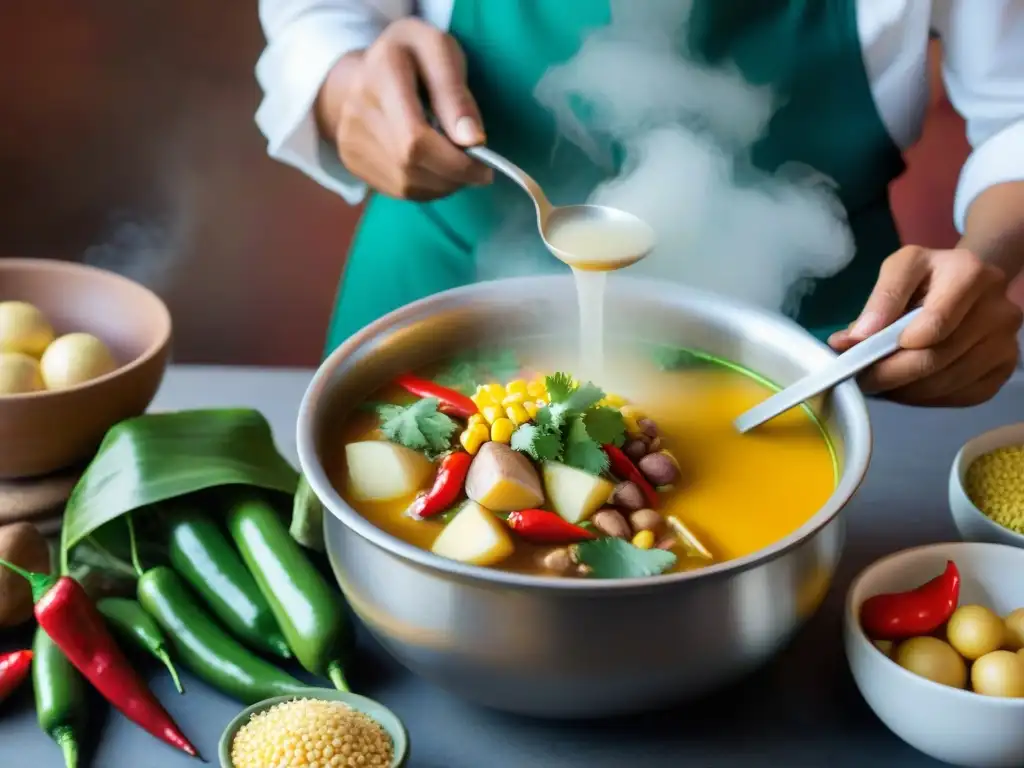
(75, 358)
(933, 659)
(975, 630)
(23, 328)
(19, 374)
(1000, 673)
(1015, 630)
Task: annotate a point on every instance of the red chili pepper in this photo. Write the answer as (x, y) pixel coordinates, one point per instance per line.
(451, 402)
(543, 527)
(14, 668)
(624, 469)
(65, 612)
(917, 612)
(448, 484)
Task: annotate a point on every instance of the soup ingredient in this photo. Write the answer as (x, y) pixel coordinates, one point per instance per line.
(628, 496)
(635, 449)
(14, 668)
(573, 493)
(659, 468)
(201, 553)
(308, 610)
(933, 659)
(420, 426)
(691, 542)
(448, 486)
(449, 401)
(474, 436)
(974, 630)
(918, 611)
(643, 540)
(60, 696)
(65, 612)
(503, 480)
(465, 372)
(474, 536)
(1015, 630)
(612, 558)
(204, 648)
(558, 561)
(999, 673)
(611, 523)
(22, 545)
(543, 527)
(75, 358)
(379, 470)
(307, 525)
(313, 733)
(19, 374)
(646, 520)
(995, 484)
(24, 329)
(624, 469)
(130, 620)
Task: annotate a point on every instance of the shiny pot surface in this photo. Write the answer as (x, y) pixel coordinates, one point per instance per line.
(556, 647)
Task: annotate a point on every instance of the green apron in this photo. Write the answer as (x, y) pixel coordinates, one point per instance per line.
(807, 50)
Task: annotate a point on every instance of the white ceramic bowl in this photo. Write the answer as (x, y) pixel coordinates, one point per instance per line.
(972, 524)
(956, 726)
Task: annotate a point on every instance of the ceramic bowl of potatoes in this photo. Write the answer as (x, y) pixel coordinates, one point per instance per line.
(80, 350)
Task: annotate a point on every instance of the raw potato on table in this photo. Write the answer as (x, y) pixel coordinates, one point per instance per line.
(23, 545)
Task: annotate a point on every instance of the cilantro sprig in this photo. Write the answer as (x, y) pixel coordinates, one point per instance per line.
(572, 427)
(613, 558)
(419, 426)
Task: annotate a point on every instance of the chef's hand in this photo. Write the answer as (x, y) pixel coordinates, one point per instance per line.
(371, 107)
(962, 347)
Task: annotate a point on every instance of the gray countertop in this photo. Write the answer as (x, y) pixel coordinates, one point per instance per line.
(800, 710)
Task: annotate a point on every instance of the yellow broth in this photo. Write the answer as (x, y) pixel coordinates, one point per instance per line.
(738, 493)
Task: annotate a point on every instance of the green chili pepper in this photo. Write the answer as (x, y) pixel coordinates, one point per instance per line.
(308, 610)
(206, 649)
(131, 622)
(60, 696)
(202, 554)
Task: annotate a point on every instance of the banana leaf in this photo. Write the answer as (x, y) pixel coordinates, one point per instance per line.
(161, 456)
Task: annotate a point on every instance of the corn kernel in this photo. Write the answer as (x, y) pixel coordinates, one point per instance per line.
(501, 430)
(536, 388)
(517, 414)
(473, 437)
(513, 398)
(644, 540)
(630, 415)
(496, 391)
(476, 418)
(481, 398)
(491, 412)
(516, 387)
(531, 409)
(614, 401)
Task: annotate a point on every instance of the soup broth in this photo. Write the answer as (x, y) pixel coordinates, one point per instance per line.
(735, 494)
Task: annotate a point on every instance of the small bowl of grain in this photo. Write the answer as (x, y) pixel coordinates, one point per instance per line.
(986, 487)
(322, 727)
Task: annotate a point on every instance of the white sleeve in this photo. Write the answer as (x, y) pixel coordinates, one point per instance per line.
(983, 69)
(305, 38)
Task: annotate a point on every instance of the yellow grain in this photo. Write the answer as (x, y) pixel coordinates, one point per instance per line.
(995, 485)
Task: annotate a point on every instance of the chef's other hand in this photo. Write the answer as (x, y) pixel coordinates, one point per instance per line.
(962, 347)
(371, 105)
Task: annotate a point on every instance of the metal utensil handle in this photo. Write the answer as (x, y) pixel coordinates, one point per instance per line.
(846, 366)
(503, 165)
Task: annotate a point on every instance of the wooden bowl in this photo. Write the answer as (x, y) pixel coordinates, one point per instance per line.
(42, 432)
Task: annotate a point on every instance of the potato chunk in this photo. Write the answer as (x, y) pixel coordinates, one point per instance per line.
(503, 480)
(474, 536)
(573, 493)
(379, 470)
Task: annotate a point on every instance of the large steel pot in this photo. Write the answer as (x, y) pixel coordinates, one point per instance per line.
(574, 647)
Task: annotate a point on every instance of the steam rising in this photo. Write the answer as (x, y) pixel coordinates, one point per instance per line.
(686, 130)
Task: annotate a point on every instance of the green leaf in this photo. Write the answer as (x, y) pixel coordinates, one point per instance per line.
(419, 426)
(460, 376)
(613, 558)
(307, 526)
(677, 358)
(583, 397)
(581, 451)
(540, 443)
(605, 425)
(559, 387)
(161, 456)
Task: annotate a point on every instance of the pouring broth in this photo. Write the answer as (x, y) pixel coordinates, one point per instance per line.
(551, 476)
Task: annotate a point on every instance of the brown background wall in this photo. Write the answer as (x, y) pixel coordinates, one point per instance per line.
(126, 139)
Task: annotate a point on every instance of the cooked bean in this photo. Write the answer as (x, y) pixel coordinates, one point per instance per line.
(645, 520)
(628, 496)
(648, 427)
(659, 468)
(610, 522)
(667, 542)
(654, 445)
(557, 560)
(635, 449)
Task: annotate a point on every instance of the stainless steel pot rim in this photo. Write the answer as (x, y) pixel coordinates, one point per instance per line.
(850, 479)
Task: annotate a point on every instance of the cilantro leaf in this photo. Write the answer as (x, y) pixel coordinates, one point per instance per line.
(460, 376)
(612, 558)
(584, 396)
(419, 426)
(581, 451)
(605, 425)
(677, 358)
(539, 443)
(559, 387)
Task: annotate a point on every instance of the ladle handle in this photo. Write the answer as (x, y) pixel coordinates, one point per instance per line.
(868, 352)
(503, 165)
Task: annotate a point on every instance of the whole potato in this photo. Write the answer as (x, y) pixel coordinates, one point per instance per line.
(1000, 673)
(933, 659)
(22, 545)
(975, 630)
(1015, 630)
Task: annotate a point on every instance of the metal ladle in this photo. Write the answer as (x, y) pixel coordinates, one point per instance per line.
(550, 217)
